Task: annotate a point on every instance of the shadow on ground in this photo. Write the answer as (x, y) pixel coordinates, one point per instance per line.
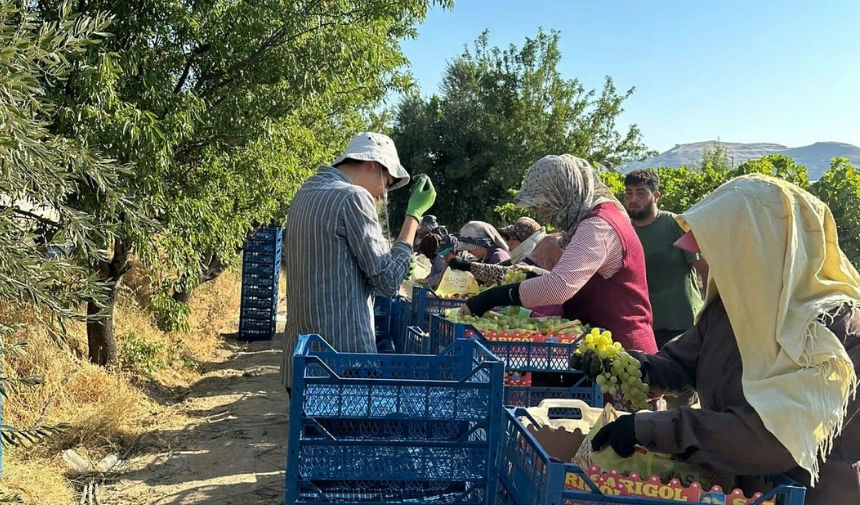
(235, 453)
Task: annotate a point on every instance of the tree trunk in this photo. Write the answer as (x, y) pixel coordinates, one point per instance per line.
(212, 268)
(182, 296)
(100, 336)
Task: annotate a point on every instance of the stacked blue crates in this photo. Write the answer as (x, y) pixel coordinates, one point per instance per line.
(261, 268)
(394, 429)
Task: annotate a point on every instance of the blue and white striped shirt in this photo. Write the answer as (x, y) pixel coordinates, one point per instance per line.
(336, 258)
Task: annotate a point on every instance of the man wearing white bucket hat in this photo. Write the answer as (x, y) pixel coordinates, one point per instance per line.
(336, 254)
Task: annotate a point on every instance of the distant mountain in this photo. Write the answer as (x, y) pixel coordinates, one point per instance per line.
(815, 157)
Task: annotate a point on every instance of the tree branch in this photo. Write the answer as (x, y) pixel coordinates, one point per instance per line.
(31, 215)
(189, 61)
(270, 42)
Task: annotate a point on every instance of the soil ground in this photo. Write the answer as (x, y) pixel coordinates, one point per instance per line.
(235, 451)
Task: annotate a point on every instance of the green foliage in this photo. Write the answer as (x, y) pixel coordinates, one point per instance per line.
(499, 111)
(172, 315)
(141, 356)
(146, 357)
(225, 107)
(23, 438)
(776, 165)
(681, 188)
(839, 188)
(222, 108)
(42, 173)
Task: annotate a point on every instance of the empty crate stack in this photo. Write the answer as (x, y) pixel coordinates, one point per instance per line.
(394, 429)
(261, 267)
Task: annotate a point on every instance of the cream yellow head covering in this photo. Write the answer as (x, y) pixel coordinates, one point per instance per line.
(776, 264)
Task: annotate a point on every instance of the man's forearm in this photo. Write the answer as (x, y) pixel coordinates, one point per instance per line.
(409, 229)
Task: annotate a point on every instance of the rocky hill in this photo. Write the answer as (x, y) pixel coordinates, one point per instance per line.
(815, 157)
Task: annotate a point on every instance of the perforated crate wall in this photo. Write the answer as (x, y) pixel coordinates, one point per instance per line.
(392, 428)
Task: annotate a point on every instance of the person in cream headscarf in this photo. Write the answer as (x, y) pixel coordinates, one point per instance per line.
(773, 354)
(522, 237)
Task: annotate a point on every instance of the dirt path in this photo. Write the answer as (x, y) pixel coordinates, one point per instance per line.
(235, 453)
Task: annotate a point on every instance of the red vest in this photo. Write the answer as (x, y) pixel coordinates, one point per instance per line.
(620, 303)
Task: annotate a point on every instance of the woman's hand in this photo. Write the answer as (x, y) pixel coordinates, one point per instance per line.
(531, 271)
(464, 310)
(458, 263)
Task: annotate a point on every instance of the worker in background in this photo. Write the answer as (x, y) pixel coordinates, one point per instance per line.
(672, 273)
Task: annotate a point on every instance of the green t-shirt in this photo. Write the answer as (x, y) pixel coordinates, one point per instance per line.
(675, 297)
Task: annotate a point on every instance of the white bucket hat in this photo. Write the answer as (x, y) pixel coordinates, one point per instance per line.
(369, 146)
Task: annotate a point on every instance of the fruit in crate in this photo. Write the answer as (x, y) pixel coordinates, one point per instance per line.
(514, 276)
(514, 378)
(515, 326)
(614, 369)
(455, 296)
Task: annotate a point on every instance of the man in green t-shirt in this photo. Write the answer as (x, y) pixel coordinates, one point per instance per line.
(672, 273)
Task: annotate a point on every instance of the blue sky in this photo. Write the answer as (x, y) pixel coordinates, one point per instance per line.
(784, 71)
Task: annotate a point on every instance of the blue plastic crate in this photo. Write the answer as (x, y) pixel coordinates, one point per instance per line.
(393, 428)
(261, 279)
(413, 343)
(528, 396)
(521, 356)
(390, 318)
(265, 240)
(262, 251)
(425, 303)
(261, 257)
(528, 476)
(255, 291)
(261, 313)
(269, 233)
(381, 305)
(253, 302)
(400, 324)
(260, 267)
(256, 334)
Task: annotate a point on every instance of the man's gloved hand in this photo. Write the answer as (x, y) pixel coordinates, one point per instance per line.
(421, 198)
(458, 263)
(619, 434)
(589, 364)
(413, 261)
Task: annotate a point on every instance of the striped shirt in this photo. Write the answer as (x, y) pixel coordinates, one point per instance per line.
(594, 249)
(335, 259)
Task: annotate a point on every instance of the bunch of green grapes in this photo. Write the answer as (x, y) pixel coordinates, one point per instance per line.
(513, 276)
(617, 369)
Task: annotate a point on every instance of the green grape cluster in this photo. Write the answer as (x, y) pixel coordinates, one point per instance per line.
(513, 276)
(619, 371)
(515, 322)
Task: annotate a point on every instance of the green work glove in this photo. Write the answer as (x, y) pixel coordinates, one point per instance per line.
(411, 270)
(421, 198)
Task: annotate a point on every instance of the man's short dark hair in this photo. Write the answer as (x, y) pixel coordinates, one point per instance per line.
(643, 177)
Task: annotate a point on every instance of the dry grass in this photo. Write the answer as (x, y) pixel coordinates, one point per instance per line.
(106, 409)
